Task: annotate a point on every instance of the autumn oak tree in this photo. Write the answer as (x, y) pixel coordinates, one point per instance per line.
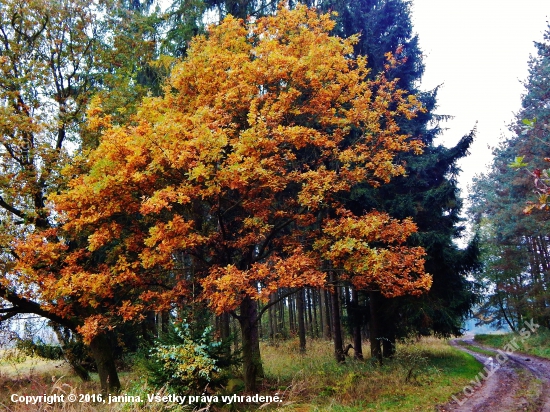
(48, 58)
(54, 57)
(233, 183)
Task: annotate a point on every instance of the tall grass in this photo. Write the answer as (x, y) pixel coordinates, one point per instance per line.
(422, 375)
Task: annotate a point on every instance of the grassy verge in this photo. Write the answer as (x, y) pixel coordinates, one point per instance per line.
(475, 348)
(529, 391)
(422, 375)
(537, 343)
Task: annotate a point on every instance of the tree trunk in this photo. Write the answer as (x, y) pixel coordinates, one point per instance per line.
(374, 326)
(164, 322)
(272, 321)
(301, 324)
(321, 301)
(388, 319)
(291, 319)
(64, 338)
(336, 323)
(309, 304)
(357, 321)
(102, 352)
(236, 341)
(314, 306)
(326, 317)
(281, 327)
(225, 331)
(252, 362)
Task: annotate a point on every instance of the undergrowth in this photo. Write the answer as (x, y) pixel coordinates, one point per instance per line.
(422, 375)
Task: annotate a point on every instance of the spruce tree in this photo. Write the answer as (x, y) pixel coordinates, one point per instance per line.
(428, 193)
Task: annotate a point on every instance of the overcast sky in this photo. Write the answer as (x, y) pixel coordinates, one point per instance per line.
(478, 51)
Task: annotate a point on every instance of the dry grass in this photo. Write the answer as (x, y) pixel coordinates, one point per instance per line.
(32, 376)
(422, 375)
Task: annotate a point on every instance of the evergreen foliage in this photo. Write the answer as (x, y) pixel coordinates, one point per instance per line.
(114, 78)
(514, 224)
(428, 192)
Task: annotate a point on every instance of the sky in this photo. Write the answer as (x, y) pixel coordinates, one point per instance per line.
(478, 51)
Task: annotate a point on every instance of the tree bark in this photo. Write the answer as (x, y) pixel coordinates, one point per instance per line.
(388, 330)
(309, 304)
(314, 309)
(252, 362)
(272, 321)
(102, 352)
(301, 324)
(374, 326)
(281, 327)
(325, 306)
(357, 321)
(336, 323)
(225, 331)
(291, 319)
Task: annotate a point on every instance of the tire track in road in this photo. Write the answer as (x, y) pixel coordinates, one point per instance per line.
(516, 382)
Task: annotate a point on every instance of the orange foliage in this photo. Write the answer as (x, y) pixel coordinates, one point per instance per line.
(371, 251)
(232, 179)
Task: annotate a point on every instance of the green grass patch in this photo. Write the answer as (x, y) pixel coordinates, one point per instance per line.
(537, 343)
(497, 341)
(475, 348)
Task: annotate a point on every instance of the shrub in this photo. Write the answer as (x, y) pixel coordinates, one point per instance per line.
(39, 348)
(183, 363)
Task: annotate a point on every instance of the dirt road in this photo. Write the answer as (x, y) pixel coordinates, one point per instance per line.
(510, 381)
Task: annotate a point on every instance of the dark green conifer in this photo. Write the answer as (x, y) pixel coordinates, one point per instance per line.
(428, 193)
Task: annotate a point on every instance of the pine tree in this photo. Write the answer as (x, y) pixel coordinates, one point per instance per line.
(514, 222)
